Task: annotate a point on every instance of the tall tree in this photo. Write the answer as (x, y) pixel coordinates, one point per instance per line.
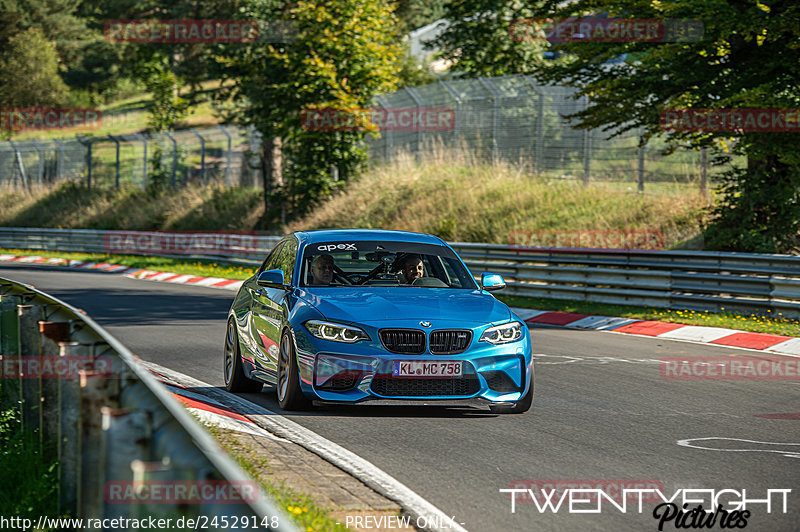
(339, 55)
(747, 57)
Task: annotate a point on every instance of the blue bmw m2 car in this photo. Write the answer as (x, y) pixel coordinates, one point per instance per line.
(376, 317)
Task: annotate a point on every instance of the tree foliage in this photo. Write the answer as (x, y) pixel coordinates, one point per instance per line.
(746, 58)
(343, 53)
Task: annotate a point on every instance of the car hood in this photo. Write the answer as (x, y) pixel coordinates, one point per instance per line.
(402, 303)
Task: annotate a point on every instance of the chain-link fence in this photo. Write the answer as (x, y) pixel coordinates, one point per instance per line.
(513, 119)
(176, 158)
(509, 118)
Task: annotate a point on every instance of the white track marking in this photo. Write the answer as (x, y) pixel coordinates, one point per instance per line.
(698, 333)
(348, 461)
(789, 347)
(791, 453)
(600, 323)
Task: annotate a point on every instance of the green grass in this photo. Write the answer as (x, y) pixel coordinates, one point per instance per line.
(203, 268)
(305, 513)
(28, 482)
(730, 320)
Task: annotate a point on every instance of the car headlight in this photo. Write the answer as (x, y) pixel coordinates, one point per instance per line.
(335, 332)
(502, 334)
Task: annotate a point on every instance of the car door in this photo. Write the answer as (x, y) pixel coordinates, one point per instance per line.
(257, 326)
(267, 310)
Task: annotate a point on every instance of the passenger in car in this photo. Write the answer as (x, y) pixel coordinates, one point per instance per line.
(322, 270)
(413, 268)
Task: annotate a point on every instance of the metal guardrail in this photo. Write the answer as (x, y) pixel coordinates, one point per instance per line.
(698, 280)
(111, 425)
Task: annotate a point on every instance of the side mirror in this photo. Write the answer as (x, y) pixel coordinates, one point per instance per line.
(492, 281)
(271, 279)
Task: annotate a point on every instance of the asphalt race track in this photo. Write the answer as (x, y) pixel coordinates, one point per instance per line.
(602, 413)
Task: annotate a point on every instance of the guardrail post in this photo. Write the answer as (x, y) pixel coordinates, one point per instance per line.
(69, 434)
(30, 347)
(52, 333)
(96, 391)
(116, 161)
(202, 155)
(128, 433)
(9, 348)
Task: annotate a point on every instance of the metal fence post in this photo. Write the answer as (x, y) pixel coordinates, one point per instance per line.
(640, 172)
(144, 159)
(19, 163)
(703, 171)
(587, 148)
(202, 155)
(456, 97)
(40, 172)
(88, 143)
(418, 102)
(116, 160)
(60, 165)
(227, 156)
(174, 157)
(386, 135)
(495, 105)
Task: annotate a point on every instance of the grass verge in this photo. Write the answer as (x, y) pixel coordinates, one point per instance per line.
(202, 268)
(305, 513)
(731, 320)
(28, 482)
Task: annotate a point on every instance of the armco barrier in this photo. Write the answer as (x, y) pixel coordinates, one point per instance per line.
(111, 425)
(699, 280)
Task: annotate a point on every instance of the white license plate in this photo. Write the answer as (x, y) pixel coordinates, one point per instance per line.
(420, 368)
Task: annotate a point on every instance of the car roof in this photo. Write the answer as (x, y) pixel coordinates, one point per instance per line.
(358, 235)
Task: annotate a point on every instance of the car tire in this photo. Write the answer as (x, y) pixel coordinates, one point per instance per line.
(290, 396)
(232, 370)
(521, 406)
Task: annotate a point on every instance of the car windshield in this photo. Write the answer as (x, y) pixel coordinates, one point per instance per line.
(372, 263)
